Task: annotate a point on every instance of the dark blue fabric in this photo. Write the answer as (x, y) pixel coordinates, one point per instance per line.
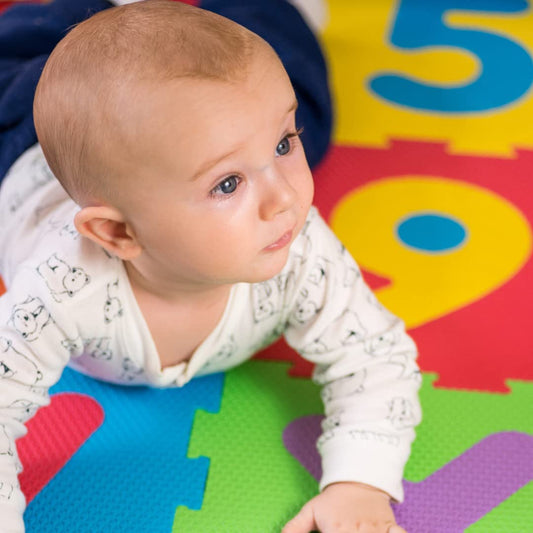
(29, 32)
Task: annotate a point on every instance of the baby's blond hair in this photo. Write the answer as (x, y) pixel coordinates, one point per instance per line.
(89, 80)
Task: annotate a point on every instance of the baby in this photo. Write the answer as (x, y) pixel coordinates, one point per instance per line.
(179, 238)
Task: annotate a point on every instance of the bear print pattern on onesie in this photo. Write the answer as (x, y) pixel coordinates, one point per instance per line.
(29, 318)
(95, 347)
(113, 305)
(347, 329)
(62, 279)
(13, 362)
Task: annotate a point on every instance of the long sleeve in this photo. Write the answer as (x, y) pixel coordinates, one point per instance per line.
(365, 363)
(31, 361)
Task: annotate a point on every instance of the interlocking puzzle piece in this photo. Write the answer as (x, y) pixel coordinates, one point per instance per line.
(480, 357)
(254, 485)
(454, 497)
(133, 472)
(500, 57)
(458, 47)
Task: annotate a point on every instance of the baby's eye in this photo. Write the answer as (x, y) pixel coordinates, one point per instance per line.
(227, 185)
(284, 146)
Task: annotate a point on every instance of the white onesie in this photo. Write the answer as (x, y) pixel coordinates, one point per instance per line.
(70, 303)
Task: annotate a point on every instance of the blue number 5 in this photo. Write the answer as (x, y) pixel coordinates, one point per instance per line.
(506, 69)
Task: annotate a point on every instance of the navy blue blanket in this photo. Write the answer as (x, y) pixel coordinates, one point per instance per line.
(29, 32)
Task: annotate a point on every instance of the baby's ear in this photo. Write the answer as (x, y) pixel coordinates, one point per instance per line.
(107, 227)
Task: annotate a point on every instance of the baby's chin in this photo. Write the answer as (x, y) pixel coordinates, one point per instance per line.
(271, 270)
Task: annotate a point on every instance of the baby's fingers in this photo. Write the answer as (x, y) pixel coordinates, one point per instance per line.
(303, 522)
(370, 526)
(396, 529)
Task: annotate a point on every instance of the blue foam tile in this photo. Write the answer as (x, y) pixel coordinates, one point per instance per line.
(133, 472)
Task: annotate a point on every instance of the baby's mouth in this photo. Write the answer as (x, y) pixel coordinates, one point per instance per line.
(283, 241)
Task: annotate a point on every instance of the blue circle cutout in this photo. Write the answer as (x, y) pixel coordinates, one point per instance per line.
(431, 232)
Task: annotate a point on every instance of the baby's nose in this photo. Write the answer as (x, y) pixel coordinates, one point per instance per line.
(278, 197)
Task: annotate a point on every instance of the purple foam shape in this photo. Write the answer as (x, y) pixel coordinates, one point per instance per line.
(300, 437)
(457, 495)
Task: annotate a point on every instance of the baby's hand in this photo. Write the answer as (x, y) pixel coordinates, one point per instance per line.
(346, 508)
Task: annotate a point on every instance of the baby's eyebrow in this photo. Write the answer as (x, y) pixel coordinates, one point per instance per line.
(293, 107)
(213, 162)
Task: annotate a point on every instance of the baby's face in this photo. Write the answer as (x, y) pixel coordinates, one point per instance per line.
(222, 186)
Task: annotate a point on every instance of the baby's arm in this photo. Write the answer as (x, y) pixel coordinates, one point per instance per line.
(365, 363)
(30, 362)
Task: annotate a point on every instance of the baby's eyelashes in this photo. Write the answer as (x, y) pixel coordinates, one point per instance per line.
(288, 142)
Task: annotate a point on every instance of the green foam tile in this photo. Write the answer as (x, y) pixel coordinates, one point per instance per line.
(254, 484)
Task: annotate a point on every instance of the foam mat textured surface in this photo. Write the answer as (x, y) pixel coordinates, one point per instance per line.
(428, 184)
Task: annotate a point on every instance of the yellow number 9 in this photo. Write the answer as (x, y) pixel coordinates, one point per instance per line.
(490, 241)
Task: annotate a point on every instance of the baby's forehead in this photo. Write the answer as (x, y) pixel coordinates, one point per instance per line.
(177, 128)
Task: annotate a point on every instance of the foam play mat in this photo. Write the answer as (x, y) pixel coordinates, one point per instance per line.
(429, 184)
